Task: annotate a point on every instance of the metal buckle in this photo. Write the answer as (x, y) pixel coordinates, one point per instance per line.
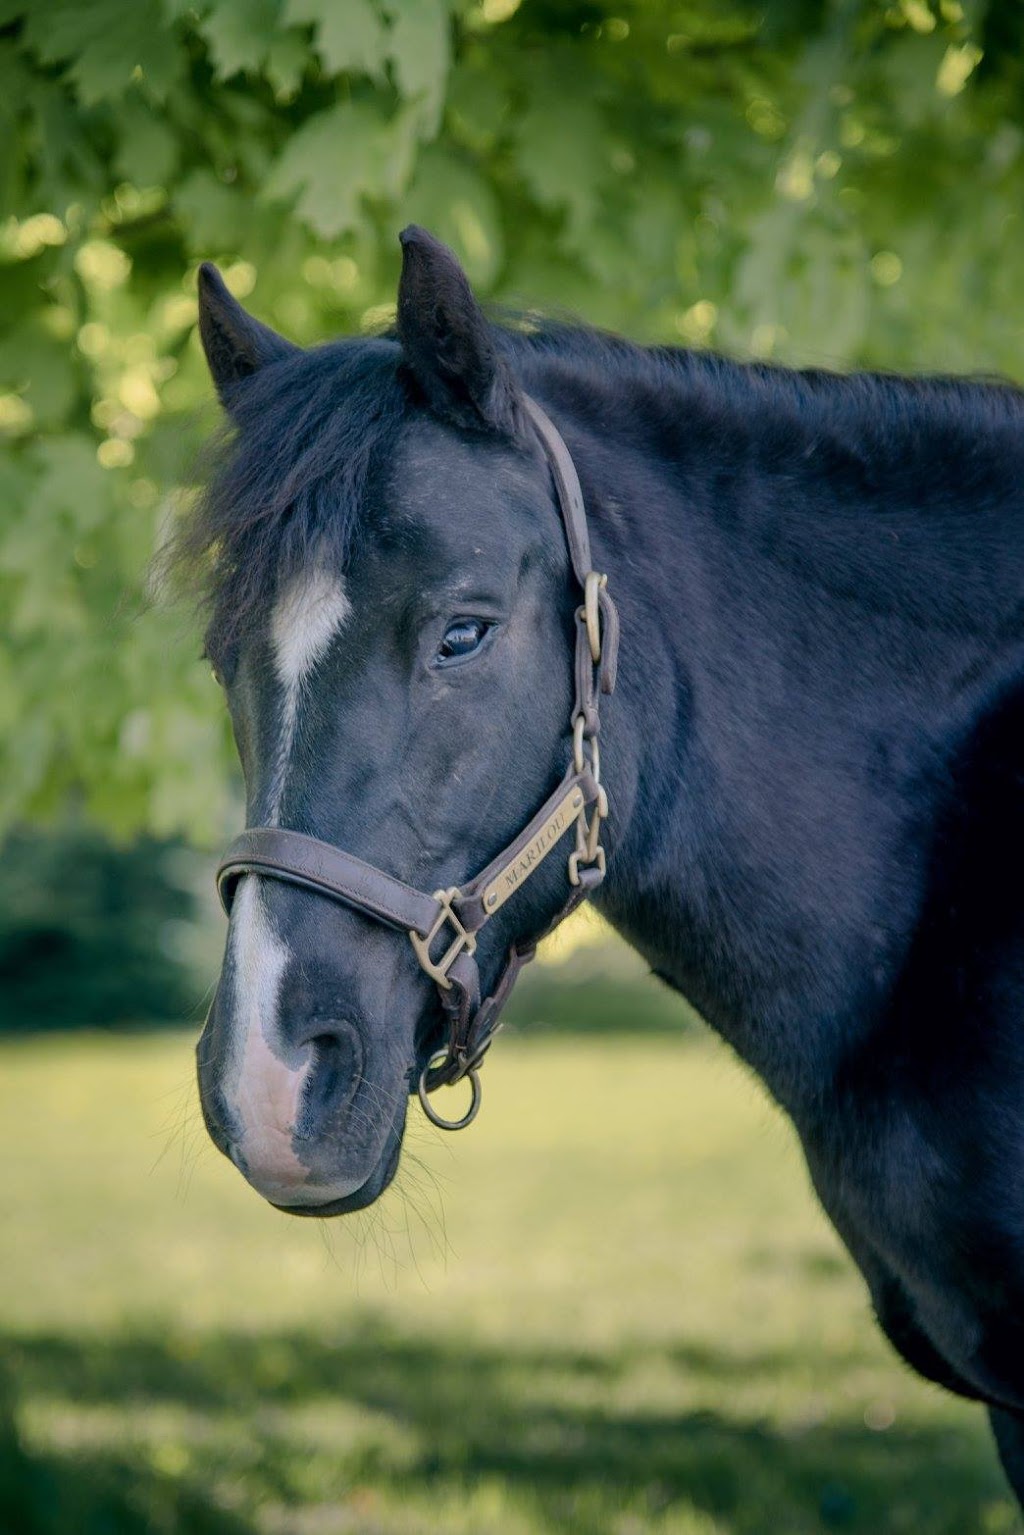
(580, 860)
(463, 940)
(591, 612)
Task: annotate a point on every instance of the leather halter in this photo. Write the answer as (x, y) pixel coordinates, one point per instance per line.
(446, 923)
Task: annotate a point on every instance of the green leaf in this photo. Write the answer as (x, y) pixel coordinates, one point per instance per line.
(287, 60)
(350, 37)
(108, 43)
(239, 33)
(561, 153)
(338, 159)
(419, 46)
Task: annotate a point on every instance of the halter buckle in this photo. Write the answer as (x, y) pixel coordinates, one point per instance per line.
(463, 941)
(591, 612)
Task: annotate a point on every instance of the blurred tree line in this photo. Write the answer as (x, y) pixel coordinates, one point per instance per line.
(826, 181)
(93, 934)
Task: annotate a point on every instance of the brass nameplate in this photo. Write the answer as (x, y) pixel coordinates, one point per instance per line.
(518, 870)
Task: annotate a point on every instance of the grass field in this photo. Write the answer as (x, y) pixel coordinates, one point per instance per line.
(610, 1308)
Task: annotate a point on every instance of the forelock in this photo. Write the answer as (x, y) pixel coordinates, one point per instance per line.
(287, 483)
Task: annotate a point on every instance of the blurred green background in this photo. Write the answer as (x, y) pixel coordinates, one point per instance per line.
(612, 1308)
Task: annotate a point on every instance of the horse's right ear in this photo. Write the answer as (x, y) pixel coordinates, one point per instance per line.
(235, 344)
(449, 347)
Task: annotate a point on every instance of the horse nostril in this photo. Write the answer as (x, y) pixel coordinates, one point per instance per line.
(335, 1069)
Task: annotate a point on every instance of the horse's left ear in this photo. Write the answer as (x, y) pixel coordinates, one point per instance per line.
(235, 344)
(449, 346)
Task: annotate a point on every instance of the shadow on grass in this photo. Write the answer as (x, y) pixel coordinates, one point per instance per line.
(107, 1494)
(549, 1427)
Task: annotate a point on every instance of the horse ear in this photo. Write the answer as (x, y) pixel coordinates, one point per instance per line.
(449, 346)
(235, 344)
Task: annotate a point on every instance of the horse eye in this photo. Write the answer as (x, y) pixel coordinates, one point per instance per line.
(462, 638)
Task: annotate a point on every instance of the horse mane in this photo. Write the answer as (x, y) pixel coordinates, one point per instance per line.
(287, 477)
(877, 410)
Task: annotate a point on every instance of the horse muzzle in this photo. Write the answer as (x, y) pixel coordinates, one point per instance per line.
(303, 1118)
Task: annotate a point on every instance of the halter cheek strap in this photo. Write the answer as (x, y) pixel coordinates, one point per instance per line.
(443, 927)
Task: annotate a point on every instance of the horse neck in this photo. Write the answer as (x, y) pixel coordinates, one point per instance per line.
(778, 719)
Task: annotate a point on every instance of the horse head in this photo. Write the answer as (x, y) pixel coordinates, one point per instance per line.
(391, 614)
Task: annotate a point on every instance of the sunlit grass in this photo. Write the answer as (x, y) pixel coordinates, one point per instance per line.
(610, 1308)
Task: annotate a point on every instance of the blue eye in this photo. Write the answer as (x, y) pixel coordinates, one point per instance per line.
(462, 638)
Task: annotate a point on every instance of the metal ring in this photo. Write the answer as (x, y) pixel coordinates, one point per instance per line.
(428, 1108)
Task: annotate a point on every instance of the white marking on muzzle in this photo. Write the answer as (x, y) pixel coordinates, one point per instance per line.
(307, 616)
(261, 1092)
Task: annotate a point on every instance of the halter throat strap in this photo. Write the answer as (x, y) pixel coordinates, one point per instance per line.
(443, 927)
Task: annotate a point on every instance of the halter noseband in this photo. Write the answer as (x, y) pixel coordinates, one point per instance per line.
(449, 920)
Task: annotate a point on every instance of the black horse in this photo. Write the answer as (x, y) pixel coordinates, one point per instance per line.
(814, 755)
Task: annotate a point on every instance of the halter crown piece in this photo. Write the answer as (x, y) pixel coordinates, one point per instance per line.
(443, 927)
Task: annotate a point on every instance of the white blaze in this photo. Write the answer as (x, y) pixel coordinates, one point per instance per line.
(308, 614)
(263, 1093)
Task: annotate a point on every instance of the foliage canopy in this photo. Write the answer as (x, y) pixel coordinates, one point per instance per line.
(827, 181)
